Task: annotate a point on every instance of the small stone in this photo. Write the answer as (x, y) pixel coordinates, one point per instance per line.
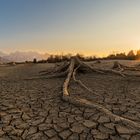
(89, 124)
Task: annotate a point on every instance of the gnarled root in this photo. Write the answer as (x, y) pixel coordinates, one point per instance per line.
(56, 75)
(80, 82)
(79, 101)
(120, 67)
(86, 103)
(66, 83)
(70, 69)
(64, 66)
(114, 72)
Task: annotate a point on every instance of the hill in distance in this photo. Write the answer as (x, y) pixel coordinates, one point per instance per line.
(3, 60)
(22, 56)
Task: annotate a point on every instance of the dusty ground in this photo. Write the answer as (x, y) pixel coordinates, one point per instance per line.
(34, 110)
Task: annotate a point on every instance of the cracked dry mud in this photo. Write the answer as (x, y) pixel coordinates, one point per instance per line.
(34, 110)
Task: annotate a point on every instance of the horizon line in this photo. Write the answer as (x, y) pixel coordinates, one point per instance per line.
(67, 53)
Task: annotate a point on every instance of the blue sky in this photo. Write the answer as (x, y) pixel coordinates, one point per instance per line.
(69, 26)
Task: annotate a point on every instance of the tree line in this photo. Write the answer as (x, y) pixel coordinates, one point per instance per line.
(131, 55)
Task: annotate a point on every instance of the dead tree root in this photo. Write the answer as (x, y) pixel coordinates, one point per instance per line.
(70, 70)
(81, 83)
(119, 67)
(86, 103)
(79, 101)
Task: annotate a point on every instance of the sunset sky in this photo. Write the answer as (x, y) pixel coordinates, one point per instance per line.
(89, 27)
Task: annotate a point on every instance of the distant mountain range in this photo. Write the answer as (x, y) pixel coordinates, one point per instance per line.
(3, 60)
(22, 56)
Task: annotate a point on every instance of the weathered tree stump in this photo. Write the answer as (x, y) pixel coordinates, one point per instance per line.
(70, 69)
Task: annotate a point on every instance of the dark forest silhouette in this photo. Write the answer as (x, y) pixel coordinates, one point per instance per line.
(118, 56)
